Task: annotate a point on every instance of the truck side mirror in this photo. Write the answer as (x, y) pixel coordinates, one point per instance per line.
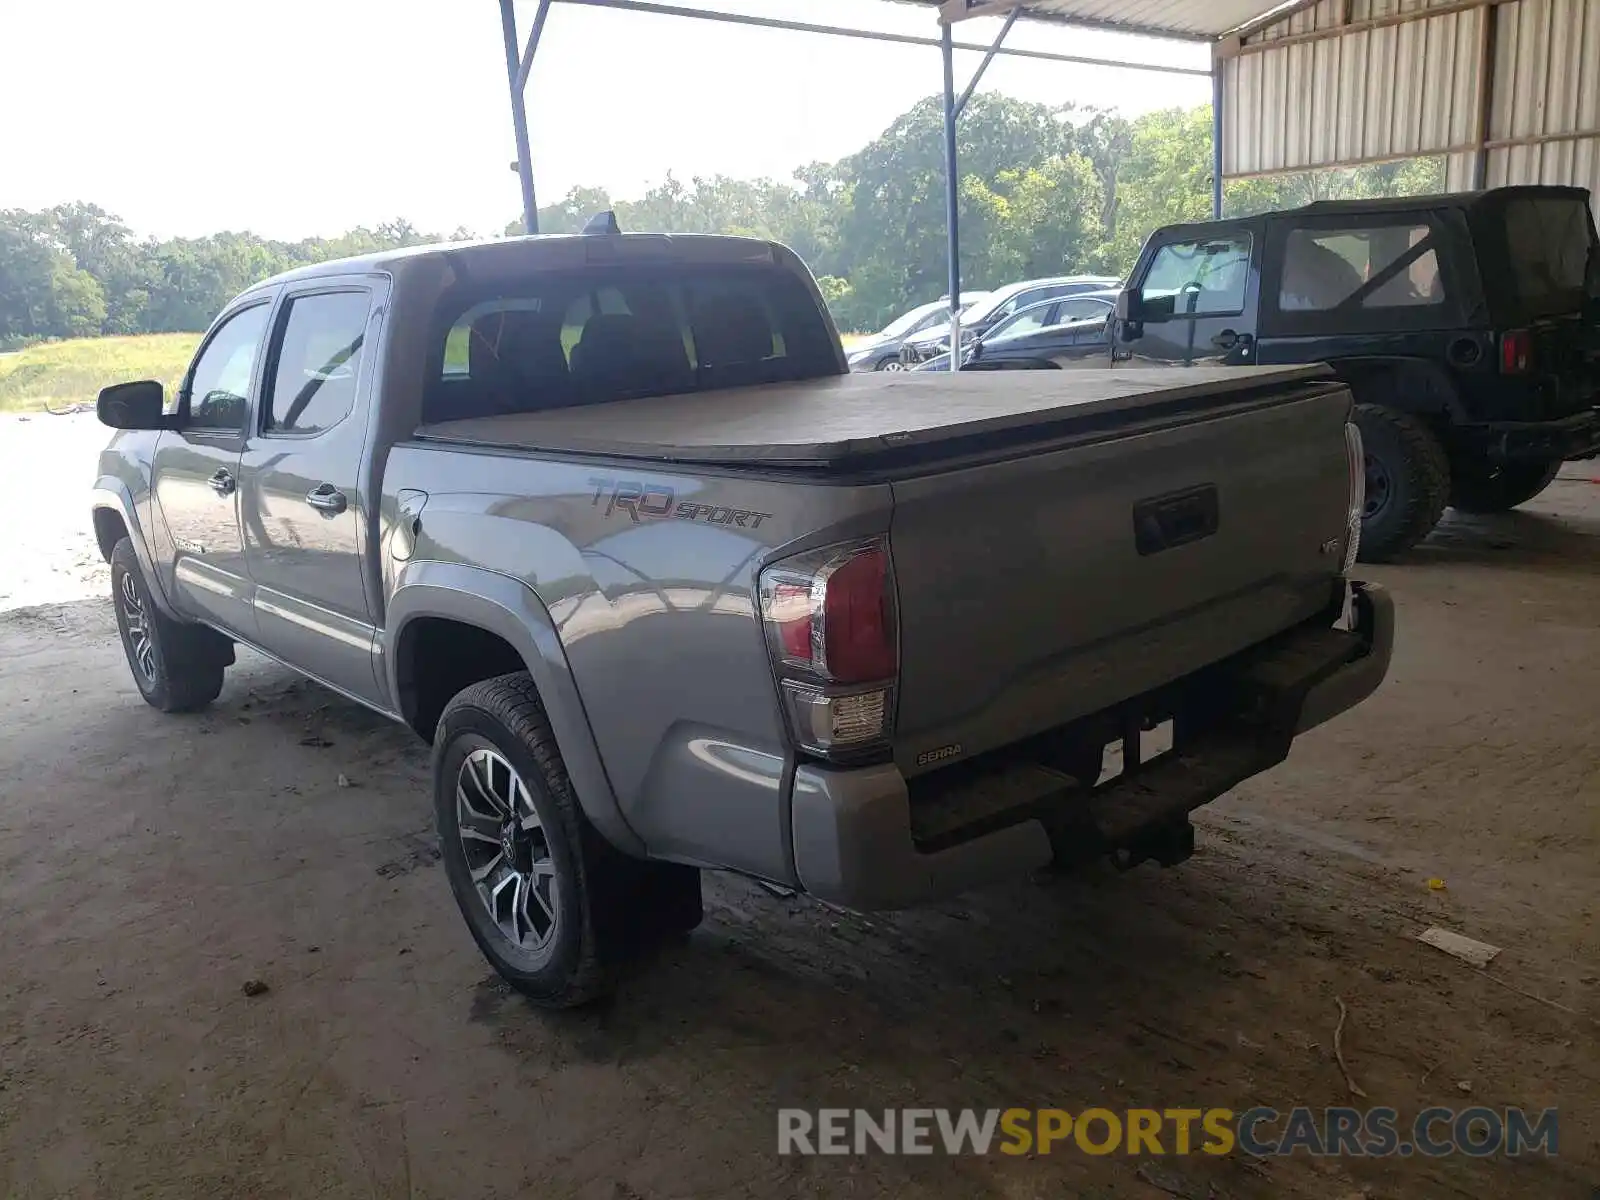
(138, 405)
(1130, 315)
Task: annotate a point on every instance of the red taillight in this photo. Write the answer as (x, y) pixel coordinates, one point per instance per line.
(830, 621)
(857, 632)
(1516, 352)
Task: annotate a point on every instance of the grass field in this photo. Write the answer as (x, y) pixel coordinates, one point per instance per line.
(58, 375)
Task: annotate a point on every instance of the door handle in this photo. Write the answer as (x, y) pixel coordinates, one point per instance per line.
(327, 500)
(222, 482)
(1226, 340)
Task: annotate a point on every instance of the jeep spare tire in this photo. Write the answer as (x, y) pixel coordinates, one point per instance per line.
(1407, 481)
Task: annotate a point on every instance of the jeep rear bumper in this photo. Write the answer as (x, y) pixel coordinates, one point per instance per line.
(1577, 436)
(867, 839)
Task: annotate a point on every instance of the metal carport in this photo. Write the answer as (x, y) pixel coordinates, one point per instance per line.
(1507, 90)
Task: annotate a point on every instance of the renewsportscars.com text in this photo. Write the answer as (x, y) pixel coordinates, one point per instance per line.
(1261, 1132)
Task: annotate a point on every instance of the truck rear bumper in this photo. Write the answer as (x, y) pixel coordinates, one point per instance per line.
(867, 839)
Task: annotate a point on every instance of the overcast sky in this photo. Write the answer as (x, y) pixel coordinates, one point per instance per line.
(302, 117)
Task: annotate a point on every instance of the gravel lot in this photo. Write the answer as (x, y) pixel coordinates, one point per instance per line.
(150, 866)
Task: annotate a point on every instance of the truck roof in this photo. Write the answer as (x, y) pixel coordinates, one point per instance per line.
(550, 251)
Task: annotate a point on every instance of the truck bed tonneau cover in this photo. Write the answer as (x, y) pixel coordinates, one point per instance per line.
(826, 421)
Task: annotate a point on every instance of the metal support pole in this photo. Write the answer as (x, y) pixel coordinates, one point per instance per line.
(519, 113)
(952, 191)
(1489, 53)
(977, 78)
(1216, 138)
(532, 47)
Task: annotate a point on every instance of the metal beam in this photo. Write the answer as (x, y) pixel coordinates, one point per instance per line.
(977, 76)
(519, 113)
(532, 48)
(951, 11)
(952, 195)
(1408, 17)
(1217, 129)
(1371, 160)
(873, 35)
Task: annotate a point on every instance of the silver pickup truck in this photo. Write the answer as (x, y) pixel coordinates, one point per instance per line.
(607, 521)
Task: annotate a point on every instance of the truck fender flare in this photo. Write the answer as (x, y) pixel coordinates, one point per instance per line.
(511, 610)
(1442, 385)
(111, 493)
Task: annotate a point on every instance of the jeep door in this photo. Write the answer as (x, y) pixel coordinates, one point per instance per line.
(1200, 297)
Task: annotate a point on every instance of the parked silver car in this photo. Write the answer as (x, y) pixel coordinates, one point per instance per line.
(882, 351)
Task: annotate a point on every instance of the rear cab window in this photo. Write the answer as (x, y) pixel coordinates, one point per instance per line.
(569, 339)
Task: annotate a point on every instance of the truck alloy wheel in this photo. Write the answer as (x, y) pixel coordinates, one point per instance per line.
(553, 906)
(177, 666)
(137, 631)
(891, 364)
(507, 851)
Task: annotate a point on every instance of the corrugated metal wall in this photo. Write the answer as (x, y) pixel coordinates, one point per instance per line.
(1547, 89)
(1300, 95)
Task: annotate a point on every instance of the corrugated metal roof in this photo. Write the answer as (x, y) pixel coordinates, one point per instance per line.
(1208, 19)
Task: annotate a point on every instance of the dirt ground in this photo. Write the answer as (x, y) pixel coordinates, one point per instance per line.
(150, 866)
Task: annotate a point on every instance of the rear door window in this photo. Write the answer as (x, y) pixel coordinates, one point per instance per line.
(597, 336)
(318, 362)
(1371, 266)
(1084, 310)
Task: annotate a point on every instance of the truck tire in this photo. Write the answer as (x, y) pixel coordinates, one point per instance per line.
(177, 667)
(553, 906)
(1408, 481)
(1477, 487)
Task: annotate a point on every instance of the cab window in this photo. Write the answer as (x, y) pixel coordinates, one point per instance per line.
(563, 341)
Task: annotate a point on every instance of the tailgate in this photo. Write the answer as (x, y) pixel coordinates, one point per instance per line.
(1055, 584)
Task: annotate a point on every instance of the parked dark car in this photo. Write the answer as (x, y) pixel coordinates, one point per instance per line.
(881, 352)
(1468, 327)
(1047, 335)
(1002, 303)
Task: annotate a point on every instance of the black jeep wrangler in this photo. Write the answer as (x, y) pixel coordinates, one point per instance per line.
(1468, 327)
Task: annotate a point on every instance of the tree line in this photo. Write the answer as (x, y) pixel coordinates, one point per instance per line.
(1044, 190)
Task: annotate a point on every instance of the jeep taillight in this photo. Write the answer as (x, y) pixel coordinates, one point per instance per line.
(1355, 458)
(830, 624)
(1516, 352)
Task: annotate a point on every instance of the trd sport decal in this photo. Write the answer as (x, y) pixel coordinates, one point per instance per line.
(653, 502)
